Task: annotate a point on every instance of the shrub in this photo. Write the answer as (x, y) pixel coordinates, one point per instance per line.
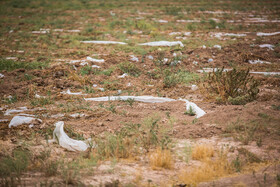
(129, 68)
(235, 87)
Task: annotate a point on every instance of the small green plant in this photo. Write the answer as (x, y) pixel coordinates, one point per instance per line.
(237, 164)
(129, 68)
(86, 70)
(42, 101)
(10, 65)
(89, 89)
(190, 112)
(235, 87)
(130, 101)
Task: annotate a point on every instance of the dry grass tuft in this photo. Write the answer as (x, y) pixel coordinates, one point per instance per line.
(201, 152)
(161, 158)
(208, 171)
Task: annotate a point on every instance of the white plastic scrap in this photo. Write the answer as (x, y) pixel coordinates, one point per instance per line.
(64, 140)
(123, 75)
(103, 42)
(134, 58)
(208, 70)
(198, 111)
(11, 58)
(11, 111)
(150, 99)
(40, 32)
(162, 21)
(258, 62)
(217, 46)
(83, 63)
(71, 93)
(194, 87)
(77, 115)
(20, 120)
(163, 43)
(1, 76)
(95, 60)
(195, 62)
(265, 73)
(267, 34)
(269, 46)
(150, 57)
(210, 60)
(95, 66)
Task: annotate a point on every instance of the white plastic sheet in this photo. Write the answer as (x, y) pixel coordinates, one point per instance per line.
(1, 76)
(95, 60)
(64, 140)
(150, 99)
(21, 120)
(267, 34)
(163, 43)
(258, 62)
(72, 93)
(269, 46)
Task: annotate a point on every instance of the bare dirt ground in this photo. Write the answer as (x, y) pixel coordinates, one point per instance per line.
(42, 56)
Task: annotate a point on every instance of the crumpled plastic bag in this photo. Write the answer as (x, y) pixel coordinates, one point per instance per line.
(64, 140)
(21, 119)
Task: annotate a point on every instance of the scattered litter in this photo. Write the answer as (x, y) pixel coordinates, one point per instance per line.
(103, 42)
(162, 21)
(174, 33)
(64, 140)
(95, 60)
(11, 31)
(180, 38)
(188, 21)
(38, 96)
(128, 84)
(119, 91)
(267, 34)
(150, 57)
(210, 60)
(76, 61)
(258, 62)
(195, 62)
(194, 87)
(40, 32)
(163, 43)
(11, 111)
(269, 46)
(3, 120)
(84, 63)
(150, 99)
(134, 58)
(20, 120)
(123, 75)
(71, 93)
(11, 58)
(73, 30)
(94, 85)
(101, 89)
(203, 47)
(220, 34)
(77, 115)
(208, 70)
(112, 13)
(198, 111)
(265, 73)
(217, 46)
(1, 76)
(95, 66)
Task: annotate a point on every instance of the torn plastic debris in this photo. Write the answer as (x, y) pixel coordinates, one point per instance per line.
(150, 57)
(163, 43)
(208, 70)
(150, 99)
(217, 46)
(1, 76)
(198, 111)
(265, 73)
(95, 60)
(64, 140)
(21, 119)
(11, 111)
(210, 60)
(71, 93)
(103, 42)
(84, 63)
(162, 21)
(95, 66)
(123, 75)
(133, 58)
(267, 34)
(77, 115)
(269, 46)
(194, 87)
(258, 62)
